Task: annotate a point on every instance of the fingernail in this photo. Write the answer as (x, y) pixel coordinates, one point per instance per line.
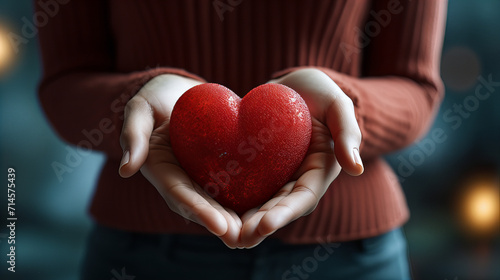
(125, 159)
(357, 158)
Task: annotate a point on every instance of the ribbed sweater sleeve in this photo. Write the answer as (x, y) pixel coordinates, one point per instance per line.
(400, 91)
(81, 93)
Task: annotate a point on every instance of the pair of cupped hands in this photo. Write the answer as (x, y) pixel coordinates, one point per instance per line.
(334, 146)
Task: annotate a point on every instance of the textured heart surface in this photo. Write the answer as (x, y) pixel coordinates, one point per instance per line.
(240, 151)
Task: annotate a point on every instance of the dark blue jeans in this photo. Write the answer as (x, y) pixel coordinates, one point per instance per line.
(119, 255)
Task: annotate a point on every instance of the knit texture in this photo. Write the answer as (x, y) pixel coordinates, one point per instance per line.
(384, 55)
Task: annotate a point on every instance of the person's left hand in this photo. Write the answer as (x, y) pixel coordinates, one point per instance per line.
(334, 146)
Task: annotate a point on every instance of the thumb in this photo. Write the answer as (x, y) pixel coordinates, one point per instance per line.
(341, 121)
(134, 139)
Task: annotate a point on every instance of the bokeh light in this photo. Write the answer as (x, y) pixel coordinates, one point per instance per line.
(481, 206)
(460, 68)
(6, 51)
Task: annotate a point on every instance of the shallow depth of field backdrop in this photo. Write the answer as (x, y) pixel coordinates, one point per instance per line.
(451, 179)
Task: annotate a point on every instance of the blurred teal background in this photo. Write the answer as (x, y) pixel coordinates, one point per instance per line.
(52, 221)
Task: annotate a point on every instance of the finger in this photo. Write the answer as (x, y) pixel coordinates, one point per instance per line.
(284, 191)
(134, 139)
(250, 235)
(234, 224)
(301, 201)
(299, 198)
(178, 191)
(236, 218)
(248, 214)
(346, 135)
(232, 235)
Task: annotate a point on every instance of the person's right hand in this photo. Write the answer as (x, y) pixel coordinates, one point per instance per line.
(334, 145)
(145, 141)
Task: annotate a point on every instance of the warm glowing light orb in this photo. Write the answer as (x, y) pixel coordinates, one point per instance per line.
(482, 206)
(6, 52)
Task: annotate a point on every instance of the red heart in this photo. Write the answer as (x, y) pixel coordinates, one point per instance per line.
(240, 151)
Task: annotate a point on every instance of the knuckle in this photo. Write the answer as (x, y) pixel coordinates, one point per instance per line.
(359, 135)
(125, 135)
(311, 209)
(355, 133)
(347, 101)
(310, 195)
(134, 103)
(351, 134)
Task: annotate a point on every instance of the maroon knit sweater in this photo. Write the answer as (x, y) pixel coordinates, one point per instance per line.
(384, 55)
